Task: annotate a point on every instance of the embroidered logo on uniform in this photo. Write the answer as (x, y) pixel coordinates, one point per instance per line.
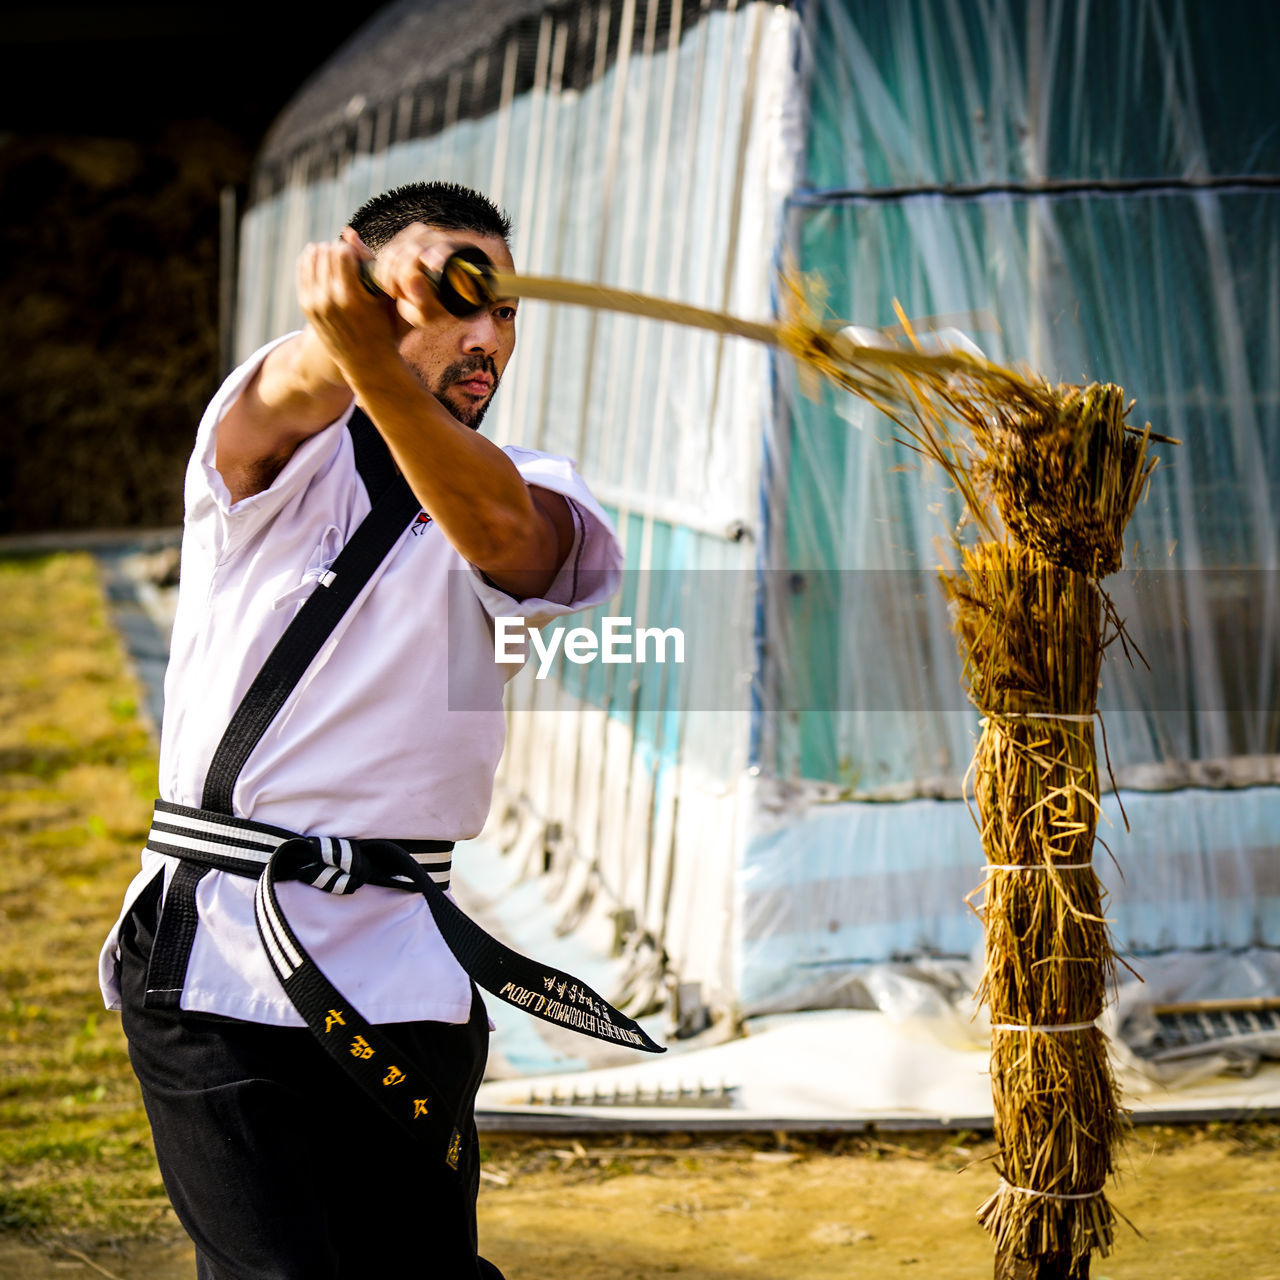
(421, 520)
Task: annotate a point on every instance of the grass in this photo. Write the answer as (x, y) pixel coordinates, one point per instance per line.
(77, 774)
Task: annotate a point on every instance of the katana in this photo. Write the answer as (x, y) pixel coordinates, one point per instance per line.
(865, 362)
(468, 282)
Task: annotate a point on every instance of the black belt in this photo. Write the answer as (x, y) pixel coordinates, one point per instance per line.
(205, 840)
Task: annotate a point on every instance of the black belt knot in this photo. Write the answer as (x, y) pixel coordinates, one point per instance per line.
(337, 865)
(334, 865)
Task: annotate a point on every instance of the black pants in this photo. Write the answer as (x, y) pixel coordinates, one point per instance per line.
(278, 1165)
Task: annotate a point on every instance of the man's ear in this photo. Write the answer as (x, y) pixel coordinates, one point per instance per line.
(350, 236)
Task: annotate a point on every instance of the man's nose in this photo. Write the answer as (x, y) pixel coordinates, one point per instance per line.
(481, 335)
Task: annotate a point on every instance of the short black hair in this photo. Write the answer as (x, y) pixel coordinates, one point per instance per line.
(446, 205)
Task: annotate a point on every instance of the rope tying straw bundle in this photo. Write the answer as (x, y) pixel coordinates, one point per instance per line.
(1052, 1029)
(1051, 1195)
(1074, 717)
(1035, 866)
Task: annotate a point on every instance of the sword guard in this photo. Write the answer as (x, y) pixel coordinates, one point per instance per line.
(464, 284)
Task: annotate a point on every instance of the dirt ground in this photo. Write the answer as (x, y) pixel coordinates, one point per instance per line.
(1207, 1201)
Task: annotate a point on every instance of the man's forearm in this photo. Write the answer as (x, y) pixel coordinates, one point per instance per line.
(471, 489)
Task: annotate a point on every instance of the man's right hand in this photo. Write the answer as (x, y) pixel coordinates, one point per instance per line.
(352, 326)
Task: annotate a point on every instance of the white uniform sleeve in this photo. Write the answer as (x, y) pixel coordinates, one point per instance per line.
(208, 501)
(591, 572)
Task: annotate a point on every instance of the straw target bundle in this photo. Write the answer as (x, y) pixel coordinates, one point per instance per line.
(1049, 477)
(1064, 475)
(1031, 634)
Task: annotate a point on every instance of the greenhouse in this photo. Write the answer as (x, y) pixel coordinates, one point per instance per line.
(1089, 191)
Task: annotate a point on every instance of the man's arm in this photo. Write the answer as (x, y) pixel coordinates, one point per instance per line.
(352, 345)
(516, 535)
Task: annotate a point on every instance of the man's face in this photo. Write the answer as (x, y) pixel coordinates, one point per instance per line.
(461, 360)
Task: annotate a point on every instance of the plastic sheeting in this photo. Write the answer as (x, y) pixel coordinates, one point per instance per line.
(972, 160)
(971, 92)
(1093, 191)
(1148, 310)
(829, 889)
(641, 786)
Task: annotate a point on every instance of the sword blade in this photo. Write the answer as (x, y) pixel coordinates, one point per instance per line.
(605, 298)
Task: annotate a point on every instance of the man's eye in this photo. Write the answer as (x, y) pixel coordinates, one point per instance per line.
(504, 313)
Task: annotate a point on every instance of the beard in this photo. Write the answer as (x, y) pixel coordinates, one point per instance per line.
(467, 411)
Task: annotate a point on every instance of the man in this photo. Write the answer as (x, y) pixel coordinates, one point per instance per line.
(277, 1163)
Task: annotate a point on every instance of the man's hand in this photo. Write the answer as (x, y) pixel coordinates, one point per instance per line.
(401, 271)
(355, 325)
(352, 325)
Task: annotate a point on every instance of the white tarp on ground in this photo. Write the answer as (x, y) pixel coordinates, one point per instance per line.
(831, 1067)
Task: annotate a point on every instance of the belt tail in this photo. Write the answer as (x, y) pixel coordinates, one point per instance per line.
(361, 1049)
(550, 994)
